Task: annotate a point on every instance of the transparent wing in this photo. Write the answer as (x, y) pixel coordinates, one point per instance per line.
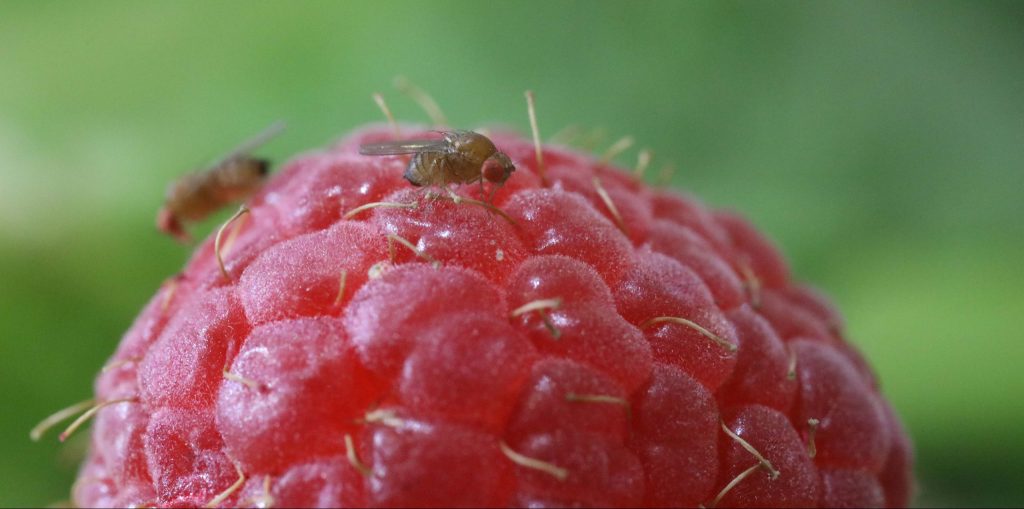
(391, 148)
(253, 143)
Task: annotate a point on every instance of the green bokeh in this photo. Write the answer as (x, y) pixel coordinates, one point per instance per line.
(880, 144)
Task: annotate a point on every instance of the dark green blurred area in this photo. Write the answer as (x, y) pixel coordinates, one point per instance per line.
(880, 144)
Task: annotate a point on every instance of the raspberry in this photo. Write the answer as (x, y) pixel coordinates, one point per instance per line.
(586, 341)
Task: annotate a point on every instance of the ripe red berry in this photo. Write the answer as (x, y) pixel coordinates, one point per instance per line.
(590, 341)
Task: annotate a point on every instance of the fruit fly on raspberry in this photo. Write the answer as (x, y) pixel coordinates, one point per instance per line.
(458, 157)
(199, 194)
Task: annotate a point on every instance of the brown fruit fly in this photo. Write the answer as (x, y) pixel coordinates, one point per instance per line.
(457, 157)
(196, 195)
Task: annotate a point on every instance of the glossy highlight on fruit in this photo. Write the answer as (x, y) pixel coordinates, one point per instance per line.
(580, 339)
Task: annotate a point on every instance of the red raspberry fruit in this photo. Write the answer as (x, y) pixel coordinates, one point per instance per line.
(595, 342)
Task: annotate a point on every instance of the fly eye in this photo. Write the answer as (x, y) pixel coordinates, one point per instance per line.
(493, 172)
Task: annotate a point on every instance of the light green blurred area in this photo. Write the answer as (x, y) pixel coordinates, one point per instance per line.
(880, 144)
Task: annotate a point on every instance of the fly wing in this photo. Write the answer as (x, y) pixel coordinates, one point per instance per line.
(392, 148)
(253, 143)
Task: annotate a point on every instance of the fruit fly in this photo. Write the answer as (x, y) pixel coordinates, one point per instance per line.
(196, 195)
(458, 157)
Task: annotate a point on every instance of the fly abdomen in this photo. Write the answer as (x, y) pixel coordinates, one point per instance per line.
(423, 169)
(413, 171)
(410, 175)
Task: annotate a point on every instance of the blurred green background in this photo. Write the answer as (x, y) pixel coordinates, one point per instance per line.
(881, 145)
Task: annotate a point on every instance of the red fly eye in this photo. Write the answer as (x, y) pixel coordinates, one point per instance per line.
(493, 171)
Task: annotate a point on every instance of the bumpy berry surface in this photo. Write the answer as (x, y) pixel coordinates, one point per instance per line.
(335, 367)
